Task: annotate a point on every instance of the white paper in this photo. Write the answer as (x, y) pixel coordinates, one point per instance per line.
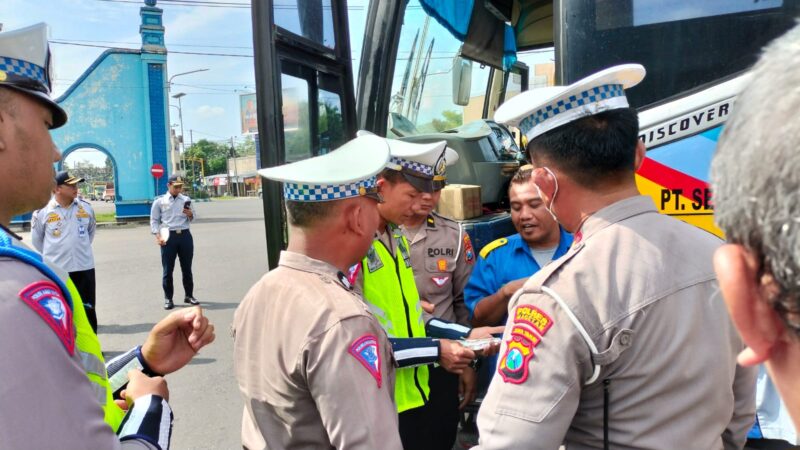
(164, 234)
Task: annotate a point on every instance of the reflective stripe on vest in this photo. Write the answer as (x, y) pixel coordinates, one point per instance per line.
(391, 293)
(86, 343)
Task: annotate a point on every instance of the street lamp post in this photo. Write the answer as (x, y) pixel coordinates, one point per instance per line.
(180, 114)
(180, 95)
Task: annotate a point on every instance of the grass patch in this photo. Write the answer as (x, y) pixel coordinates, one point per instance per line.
(105, 217)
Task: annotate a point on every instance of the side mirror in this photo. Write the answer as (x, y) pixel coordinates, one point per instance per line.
(462, 80)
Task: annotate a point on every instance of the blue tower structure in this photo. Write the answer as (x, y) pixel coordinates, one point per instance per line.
(120, 107)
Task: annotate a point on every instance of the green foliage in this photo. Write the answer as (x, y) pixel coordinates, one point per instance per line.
(246, 147)
(214, 154)
(452, 119)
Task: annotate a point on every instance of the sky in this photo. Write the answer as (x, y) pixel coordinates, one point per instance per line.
(211, 105)
(82, 29)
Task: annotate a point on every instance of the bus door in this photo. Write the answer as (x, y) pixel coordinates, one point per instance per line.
(304, 80)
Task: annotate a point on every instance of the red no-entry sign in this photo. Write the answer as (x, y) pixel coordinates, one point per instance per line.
(157, 170)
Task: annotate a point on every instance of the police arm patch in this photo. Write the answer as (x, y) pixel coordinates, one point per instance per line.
(469, 252)
(530, 326)
(365, 351)
(46, 299)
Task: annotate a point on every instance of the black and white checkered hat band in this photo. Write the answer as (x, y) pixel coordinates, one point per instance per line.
(23, 69)
(400, 163)
(325, 192)
(586, 103)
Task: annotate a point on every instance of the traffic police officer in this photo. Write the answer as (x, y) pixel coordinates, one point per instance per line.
(623, 342)
(442, 258)
(170, 217)
(63, 232)
(314, 366)
(386, 278)
(55, 390)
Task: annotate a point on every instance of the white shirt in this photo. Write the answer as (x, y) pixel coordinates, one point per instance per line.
(167, 212)
(65, 235)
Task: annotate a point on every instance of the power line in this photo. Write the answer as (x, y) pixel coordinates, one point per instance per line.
(171, 51)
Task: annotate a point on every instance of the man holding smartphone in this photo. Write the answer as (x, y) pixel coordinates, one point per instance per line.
(170, 217)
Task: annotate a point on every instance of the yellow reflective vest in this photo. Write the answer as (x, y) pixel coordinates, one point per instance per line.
(391, 293)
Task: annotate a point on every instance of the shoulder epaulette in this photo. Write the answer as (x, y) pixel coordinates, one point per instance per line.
(488, 248)
(444, 220)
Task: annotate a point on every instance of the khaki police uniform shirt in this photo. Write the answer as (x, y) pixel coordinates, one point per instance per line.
(443, 258)
(642, 286)
(46, 400)
(314, 366)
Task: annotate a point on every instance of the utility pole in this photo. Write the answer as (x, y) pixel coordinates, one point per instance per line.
(235, 169)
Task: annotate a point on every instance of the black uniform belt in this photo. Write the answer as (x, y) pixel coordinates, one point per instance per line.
(179, 231)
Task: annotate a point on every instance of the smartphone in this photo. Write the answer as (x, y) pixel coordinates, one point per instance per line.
(187, 204)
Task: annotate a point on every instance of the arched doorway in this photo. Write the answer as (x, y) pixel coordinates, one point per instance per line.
(96, 165)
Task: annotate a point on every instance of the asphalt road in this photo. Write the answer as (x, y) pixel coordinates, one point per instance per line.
(230, 255)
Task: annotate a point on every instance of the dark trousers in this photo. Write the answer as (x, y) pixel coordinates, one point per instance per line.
(443, 407)
(84, 282)
(182, 246)
(433, 426)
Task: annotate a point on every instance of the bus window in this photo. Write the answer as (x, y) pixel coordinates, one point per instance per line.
(331, 127)
(295, 118)
(311, 19)
(422, 85)
(683, 44)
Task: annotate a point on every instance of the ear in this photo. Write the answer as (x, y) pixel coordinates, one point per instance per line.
(641, 151)
(545, 183)
(351, 211)
(759, 325)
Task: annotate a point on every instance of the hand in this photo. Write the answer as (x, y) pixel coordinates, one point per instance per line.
(485, 332)
(454, 357)
(160, 241)
(426, 306)
(467, 387)
(490, 350)
(188, 212)
(174, 341)
(140, 385)
(509, 289)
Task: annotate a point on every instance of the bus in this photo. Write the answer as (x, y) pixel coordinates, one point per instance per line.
(428, 71)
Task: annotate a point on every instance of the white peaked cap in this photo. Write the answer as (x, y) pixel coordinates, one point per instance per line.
(349, 171)
(538, 111)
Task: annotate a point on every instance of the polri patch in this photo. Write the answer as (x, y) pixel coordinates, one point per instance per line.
(46, 299)
(469, 253)
(519, 351)
(440, 281)
(534, 317)
(530, 326)
(365, 350)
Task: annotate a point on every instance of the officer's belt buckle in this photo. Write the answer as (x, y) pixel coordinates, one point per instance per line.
(178, 231)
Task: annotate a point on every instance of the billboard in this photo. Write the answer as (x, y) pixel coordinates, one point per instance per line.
(248, 113)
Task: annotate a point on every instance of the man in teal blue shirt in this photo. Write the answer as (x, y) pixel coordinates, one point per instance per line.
(505, 264)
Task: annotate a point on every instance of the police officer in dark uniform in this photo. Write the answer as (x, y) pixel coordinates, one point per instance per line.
(170, 217)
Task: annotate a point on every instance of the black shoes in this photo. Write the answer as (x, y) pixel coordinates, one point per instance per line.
(191, 301)
(168, 303)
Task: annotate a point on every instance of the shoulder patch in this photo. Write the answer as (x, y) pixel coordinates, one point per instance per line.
(365, 351)
(469, 253)
(488, 248)
(45, 298)
(529, 327)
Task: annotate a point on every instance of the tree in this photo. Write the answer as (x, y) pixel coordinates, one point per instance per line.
(215, 155)
(246, 147)
(452, 119)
